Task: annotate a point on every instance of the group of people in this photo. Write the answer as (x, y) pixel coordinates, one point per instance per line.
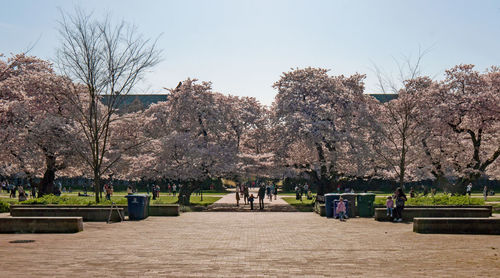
(486, 192)
(395, 205)
(155, 189)
(172, 189)
(17, 190)
(301, 190)
(265, 191)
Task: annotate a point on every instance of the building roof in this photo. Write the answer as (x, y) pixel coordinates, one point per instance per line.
(132, 103)
(384, 97)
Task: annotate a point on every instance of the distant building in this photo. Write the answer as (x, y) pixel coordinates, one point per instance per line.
(134, 103)
(384, 97)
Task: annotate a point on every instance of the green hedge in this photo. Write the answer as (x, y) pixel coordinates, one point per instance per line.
(72, 200)
(438, 200)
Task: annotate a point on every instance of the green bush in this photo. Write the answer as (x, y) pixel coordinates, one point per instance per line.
(438, 200)
(4, 206)
(72, 200)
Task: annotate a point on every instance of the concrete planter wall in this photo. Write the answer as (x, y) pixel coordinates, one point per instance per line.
(489, 226)
(87, 213)
(164, 210)
(154, 210)
(41, 225)
(409, 213)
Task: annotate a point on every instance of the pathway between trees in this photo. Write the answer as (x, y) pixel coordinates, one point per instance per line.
(228, 203)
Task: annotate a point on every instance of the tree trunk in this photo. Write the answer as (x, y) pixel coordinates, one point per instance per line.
(185, 193)
(97, 185)
(47, 184)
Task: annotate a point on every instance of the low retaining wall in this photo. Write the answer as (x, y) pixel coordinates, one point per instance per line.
(41, 224)
(490, 208)
(87, 213)
(164, 210)
(319, 208)
(490, 226)
(410, 213)
(154, 210)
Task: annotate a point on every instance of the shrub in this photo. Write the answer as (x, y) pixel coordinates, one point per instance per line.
(4, 206)
(72, 200)
(438, 200)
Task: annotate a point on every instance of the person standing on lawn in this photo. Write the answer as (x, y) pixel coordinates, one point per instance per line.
(400, 198)
(469, 189)
(485, 192)
(261, 194)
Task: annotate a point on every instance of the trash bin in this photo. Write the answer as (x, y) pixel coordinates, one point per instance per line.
(365, 204)
(347, 209)
(329, 198)
(138, 206)
(351, 197)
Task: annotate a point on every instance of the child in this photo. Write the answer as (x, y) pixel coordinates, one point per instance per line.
(250, 200)
(389, 205)
(341, 209)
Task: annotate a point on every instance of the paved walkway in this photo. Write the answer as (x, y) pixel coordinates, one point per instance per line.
(225, 244)
(228, 203)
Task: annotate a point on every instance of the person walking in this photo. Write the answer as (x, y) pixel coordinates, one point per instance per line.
(174, 189)
(400, 198)
(261, 194)
(245, 194)
(271, 191)
(237, 196)
(485, 193)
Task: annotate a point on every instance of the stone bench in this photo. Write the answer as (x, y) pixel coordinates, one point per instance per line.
(457, 225)
(411, 212)
(87, 213)
(41, 224)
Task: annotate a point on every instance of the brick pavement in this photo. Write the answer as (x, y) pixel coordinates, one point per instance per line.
(227, 244)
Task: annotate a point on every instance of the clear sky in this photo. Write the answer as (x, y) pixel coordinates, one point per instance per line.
(244, 46)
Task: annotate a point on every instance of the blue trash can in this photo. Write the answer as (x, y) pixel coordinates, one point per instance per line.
(335, 203)
(329, 198)
(138, 206)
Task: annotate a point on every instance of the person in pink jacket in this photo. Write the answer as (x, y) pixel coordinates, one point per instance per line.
(341, 209)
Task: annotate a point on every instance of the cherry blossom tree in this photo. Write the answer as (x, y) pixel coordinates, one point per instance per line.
(317, 118)
(36, 132)
(192, 136)
(463, 126)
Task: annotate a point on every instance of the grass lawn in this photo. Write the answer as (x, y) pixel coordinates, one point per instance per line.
(304, 206)
(195, 200)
